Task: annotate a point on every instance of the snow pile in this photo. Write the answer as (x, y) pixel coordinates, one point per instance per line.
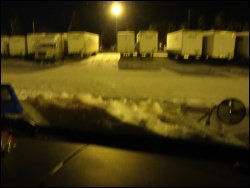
(106, 60)
(144, 111)
(162, 118)
(23, 94)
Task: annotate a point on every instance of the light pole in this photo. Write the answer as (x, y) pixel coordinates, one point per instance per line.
(116, 10)
(115, 24)
(33, 26)
(189, 18)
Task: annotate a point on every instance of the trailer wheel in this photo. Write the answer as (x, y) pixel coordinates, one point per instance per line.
(230, 58)
(53, 60)
(176, 57)
(81, 55)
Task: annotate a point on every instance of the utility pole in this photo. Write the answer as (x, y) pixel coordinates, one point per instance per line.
(115, 25)
(33, 26)
(72, 21)
(189, 18)
(12, 27)
(115, 31)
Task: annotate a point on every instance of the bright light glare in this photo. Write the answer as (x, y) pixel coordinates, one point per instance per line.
(116, 9)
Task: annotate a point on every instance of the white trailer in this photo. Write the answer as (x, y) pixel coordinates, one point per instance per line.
(126, 42)
(91, 43)
(4, 45)
(50, 47)
(185, 43)
(83, 43)
(17, 45)
(75, 43)
(242, 44)
(147, 42)
(32, 41)
(219, 44)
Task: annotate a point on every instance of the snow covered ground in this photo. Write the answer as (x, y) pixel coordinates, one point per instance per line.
(100, 76)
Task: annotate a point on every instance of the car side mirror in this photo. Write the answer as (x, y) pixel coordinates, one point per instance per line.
(231, 111)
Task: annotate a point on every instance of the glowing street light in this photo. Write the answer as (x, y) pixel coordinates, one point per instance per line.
(116, 10)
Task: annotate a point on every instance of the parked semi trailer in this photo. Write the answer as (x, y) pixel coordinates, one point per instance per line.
(242, 45)
(184, 43)
(50, 47)
(83, 43)
(32, 41)
(147, 43)
(17, 45)
(126, 43)
(219, 44)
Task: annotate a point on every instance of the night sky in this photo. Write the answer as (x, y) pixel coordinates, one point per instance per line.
(96, 15)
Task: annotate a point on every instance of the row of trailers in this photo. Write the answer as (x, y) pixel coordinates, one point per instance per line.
(50, 46)
(187, 43)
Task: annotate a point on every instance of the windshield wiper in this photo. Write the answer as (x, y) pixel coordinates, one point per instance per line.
(207, 115)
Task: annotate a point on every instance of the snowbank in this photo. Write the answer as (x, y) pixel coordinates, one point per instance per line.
(162, 118)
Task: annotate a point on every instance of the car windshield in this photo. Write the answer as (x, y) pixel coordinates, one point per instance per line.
(159, 68)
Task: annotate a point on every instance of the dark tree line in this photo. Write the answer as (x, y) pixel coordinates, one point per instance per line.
(107, 32)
